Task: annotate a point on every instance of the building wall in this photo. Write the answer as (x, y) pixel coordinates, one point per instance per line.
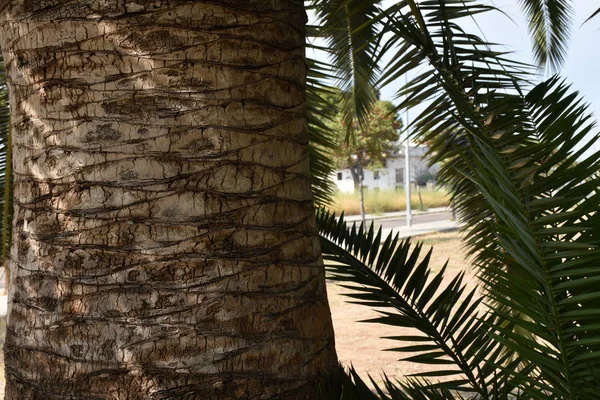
(390, 177)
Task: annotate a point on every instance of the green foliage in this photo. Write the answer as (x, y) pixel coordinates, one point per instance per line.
(372, 142)
(510, 156)
(423, 176)
(352, 33)
(320, 134)
(344, 385)
(509, 153)
(391, 278)
(550, 23)
(352, 30)
(352, 36)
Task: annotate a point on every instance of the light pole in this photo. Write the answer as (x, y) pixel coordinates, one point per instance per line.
(358, 159)
(407, 175)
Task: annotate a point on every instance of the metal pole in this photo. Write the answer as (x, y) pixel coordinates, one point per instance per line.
(407, 175)
(361, 188)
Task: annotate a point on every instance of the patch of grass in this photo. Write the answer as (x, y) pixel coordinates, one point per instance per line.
(438, 238)
(378, 202)
(447, 247)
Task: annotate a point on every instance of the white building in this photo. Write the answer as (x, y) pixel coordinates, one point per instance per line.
(391, 176)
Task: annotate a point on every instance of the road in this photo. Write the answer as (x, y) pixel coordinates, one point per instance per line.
(400, 222)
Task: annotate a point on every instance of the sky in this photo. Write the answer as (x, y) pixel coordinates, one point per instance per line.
(582, 65)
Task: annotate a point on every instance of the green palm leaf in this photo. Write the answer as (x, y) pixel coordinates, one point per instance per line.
(595, 13)
(346, 385)
(393, 279)
(550, 24)
(529, 204)
(350, 28)
(321, 136)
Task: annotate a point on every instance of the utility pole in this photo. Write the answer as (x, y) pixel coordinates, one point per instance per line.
(407, 174)
(358, 160)
(361, 186)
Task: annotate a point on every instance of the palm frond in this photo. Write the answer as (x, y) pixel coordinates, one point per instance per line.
(346, 385)
(456, 67)
(350, 28)
(321, 136)
(550, 23)
(595, 13)
(395, 280)
(531, 207)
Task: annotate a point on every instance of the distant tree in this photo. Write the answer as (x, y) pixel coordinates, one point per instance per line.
(422, 176)
(370, 144)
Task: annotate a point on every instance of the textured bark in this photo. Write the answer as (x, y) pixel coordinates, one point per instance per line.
(164, 244)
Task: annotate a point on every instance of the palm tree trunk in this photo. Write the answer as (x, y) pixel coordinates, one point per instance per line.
(164, 242)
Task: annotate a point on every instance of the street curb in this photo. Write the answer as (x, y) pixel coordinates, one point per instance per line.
(357, 217)
(448, 229)
(405, 233)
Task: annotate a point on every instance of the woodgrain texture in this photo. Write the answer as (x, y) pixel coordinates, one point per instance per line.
(164, 244)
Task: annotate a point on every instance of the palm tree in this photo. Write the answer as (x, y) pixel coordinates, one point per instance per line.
(164, 241)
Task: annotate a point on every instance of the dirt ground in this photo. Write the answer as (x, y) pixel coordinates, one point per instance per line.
(361, 344)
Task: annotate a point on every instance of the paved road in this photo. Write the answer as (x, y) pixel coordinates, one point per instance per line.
(400, 222)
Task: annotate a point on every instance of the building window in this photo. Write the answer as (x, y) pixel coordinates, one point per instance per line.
(399, 175)
(376, 175)
(339, 176)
